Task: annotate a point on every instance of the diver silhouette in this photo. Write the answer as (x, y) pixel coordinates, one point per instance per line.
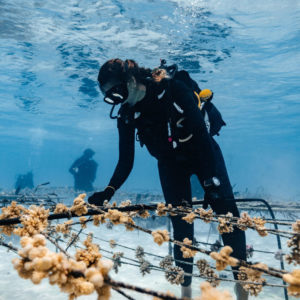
(24, 181)
(84, 171)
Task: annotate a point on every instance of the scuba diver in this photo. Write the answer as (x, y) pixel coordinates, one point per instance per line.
(164, 105)
(24, 181)
(84, 171)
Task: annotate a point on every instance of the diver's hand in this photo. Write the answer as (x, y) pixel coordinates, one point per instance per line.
(211, 196)
(212, 191)
(98, 198)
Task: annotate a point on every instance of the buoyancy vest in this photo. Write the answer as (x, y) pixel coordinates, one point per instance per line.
(149, 117)
(159, 120)
(212, 116)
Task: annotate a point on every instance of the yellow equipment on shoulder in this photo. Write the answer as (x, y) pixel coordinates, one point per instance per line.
(204, 96)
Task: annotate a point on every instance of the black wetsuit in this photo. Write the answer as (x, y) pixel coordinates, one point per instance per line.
(155, 119)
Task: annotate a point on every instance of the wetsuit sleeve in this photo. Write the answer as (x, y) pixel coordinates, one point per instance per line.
(126, 154)
(195, 124)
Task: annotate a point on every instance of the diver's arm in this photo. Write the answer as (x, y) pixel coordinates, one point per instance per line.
(124, 166)
(195, 124)
(74, 168)
(126, 154)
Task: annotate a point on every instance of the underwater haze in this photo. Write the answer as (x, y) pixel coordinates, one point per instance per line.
(247, 52)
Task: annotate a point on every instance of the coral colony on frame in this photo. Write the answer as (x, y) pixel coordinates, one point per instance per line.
(87, 272)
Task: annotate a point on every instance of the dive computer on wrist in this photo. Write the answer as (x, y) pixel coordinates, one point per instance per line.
(212, 182)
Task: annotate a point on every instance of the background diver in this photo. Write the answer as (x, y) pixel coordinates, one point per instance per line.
(84, 171)
(24, 181)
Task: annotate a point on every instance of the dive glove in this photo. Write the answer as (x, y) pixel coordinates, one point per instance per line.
(212, 191)
(98, 198)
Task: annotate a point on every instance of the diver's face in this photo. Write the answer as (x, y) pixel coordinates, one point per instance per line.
(114, 92)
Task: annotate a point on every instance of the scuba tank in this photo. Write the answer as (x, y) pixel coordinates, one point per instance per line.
(212, 116)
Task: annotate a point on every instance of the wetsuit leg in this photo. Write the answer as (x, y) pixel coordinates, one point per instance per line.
(175, 182)
(236, 239)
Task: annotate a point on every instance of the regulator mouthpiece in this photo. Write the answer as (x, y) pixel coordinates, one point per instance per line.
(116, 95)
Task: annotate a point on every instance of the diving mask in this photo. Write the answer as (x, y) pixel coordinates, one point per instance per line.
(116, 95)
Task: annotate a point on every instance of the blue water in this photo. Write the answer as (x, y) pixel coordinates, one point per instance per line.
(247, 52)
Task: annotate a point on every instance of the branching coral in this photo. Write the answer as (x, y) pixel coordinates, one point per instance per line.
(125, 203)
(84, 275)
(160, 236)
(260, 226)
(296, 226)
(73, 239)
(82, 221)
(116, 217)
(139, 253)
(79, 207)
(187, 252)
(144, 214)
(61, 208)
(242, 275)
(98, 219)
(128, 224)
(144, 267)
(189, 218)
(208, 272)
(171, 211)
(161, 209)
(73, 277)
(205, 215)
(224, 224)
(117, 260)
(175, 275)
(166, 262)
(104, 292)
(211, 277)
(112, 243)
(202, 264)
(294, 244)
(64, 227)
(245, 221)
(91, 255)
(12, 211)
(210, 293)
(114, 204)
(223, 258)
(34, 221)
(247, 274)
(293, 279)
